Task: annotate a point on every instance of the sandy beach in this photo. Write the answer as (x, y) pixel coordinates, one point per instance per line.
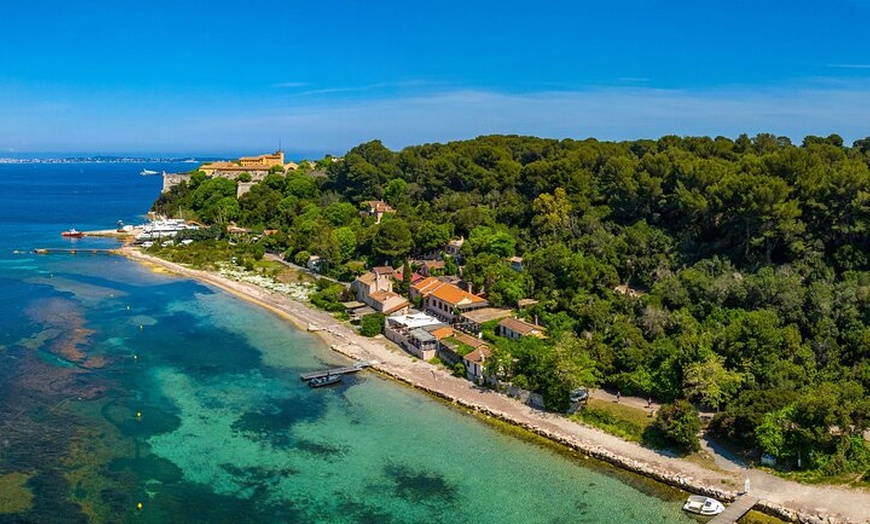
(785, 499)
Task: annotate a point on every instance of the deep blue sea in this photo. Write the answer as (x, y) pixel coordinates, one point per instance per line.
(128, 395)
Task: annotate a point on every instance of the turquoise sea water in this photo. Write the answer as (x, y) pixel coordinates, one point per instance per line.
(121, 386)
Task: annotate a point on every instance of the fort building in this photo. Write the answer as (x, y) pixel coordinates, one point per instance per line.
(256, 166)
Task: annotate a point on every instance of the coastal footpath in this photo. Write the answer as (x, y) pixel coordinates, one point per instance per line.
(787, 500)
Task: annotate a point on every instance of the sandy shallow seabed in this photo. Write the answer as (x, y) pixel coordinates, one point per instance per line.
(787, 500)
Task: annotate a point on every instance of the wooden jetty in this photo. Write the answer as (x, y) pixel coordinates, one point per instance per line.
(74, 251)
(737, 509)
(335, 371)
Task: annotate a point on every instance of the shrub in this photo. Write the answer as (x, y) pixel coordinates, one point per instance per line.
(372, 325)
(678, 425)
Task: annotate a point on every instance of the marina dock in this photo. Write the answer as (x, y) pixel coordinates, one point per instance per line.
(335, 371)
(736, 510)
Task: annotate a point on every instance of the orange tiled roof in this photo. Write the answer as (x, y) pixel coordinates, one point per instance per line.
(445, 292)
(454, 296)
(427, 285)
(442, 332)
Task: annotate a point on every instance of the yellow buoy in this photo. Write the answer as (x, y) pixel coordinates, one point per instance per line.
(139, 506)
(140, 327)
(138, 414)
(135, 356)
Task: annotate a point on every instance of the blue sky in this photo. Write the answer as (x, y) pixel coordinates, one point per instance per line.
(193, 77)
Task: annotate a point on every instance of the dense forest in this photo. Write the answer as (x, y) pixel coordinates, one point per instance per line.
(742, 265)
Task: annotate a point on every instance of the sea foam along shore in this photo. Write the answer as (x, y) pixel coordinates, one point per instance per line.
(784, 499)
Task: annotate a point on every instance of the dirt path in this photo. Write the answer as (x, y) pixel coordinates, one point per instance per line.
(829, 504)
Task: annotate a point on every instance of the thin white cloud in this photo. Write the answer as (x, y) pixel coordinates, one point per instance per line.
(849, 66)
(633, 79)
(290, 84)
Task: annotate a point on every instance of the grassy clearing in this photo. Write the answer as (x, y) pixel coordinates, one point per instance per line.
(617, 419)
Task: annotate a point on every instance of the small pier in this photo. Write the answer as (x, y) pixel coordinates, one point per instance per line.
(74, 251)
(335, 371)
(736, 510)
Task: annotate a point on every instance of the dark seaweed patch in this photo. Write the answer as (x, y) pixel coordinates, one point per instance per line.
(118, 500)
(357, 511)
(420, 486)
(148, 467)
(197, 348)
(50, 503)
(329, 452)
(258, 476)
(273, 423)
(190, 503)
(140, 421)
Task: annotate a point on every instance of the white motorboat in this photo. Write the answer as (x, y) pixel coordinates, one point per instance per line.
(703, 505)
(324, 381)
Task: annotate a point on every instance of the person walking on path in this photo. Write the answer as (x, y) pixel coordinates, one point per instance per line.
(617, 397)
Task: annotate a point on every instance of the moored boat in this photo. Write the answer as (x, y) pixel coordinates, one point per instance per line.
(702, 505)
(72, 233)
(324, 381)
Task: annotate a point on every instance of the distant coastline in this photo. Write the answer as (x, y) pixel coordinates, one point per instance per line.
(26, 159)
